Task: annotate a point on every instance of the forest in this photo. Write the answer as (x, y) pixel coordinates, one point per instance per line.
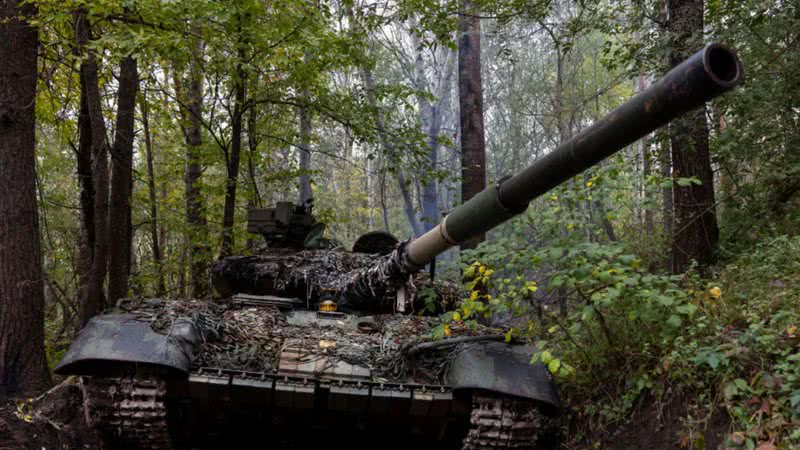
(659, 288)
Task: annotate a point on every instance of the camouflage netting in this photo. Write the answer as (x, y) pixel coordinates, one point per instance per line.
(250, 338)
(306, 274)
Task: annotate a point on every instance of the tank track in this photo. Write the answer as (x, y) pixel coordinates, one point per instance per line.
(501, 422)
(128, 412)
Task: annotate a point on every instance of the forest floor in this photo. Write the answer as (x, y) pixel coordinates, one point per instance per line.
(56, 420)
(658, 426)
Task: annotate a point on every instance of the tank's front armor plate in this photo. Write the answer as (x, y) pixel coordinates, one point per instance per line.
(111, 339)
(503, 368)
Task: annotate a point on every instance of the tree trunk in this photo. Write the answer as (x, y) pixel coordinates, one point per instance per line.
(391, 155)
(431, 118)
(473, 151)
(647, 169)
(229, 208)
(305, 194)
(86, 185)
(94, 301)
(198, 252)
(119, 230)
(252, 146)
(22, 360)
(668, 208)
(696, 232)
(155, 241)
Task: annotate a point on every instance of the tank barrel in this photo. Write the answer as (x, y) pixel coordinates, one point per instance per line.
(708, 73)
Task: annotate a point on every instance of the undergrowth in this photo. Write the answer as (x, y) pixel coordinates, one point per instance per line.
(614, 334)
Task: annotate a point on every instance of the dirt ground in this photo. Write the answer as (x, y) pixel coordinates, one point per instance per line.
(54, 420)
(654, 427)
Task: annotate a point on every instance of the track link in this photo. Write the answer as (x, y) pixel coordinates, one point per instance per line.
(500, 422)
(128, 412)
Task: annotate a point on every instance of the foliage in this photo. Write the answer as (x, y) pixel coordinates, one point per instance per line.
(731, 342)
(743, 348)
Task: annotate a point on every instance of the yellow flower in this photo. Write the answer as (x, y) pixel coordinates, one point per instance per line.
(589, 184)
(447, 331)
(715, 292)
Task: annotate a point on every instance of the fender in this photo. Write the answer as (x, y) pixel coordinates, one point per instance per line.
(504, 368)
(109, 341)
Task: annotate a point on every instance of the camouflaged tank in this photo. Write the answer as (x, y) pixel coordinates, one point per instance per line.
(314, 346)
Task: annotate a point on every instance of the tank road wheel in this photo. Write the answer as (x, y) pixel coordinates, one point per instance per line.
(502, 422)
(128, 412)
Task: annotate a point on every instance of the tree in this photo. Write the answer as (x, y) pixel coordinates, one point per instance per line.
(233, 157)
(391, 151)
(473, 150)
(155, 243)
(86, 187)
(111, 212)
(695, 232)
(305, 193)
(432, 118)
(93, 300)
(22, 359)
(119, 219)
(196, 223)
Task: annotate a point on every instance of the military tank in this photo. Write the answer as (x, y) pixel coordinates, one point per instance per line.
(323, 355)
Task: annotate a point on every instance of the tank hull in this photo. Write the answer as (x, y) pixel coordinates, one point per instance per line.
(148, 374)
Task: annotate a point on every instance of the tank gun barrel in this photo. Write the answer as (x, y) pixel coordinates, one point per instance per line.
(708, 73)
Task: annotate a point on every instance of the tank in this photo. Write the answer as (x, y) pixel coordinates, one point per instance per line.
(311, 345)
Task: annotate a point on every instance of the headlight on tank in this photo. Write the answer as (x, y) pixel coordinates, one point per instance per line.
(327, 306)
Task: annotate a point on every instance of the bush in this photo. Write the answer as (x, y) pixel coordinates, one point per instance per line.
(611, 332)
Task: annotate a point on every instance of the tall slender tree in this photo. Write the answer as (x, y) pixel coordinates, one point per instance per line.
(86, 186)
(196, 222)
(696, 233)
(119, 220)
(470, 95)
(305, 153)
(22, 358)
(155, 238)
(94, 299)
(233, 155)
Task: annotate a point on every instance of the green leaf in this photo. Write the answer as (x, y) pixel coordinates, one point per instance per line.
(674, 320)
(553, 366)
(665, 300)
(730, 390)
(588, 313)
